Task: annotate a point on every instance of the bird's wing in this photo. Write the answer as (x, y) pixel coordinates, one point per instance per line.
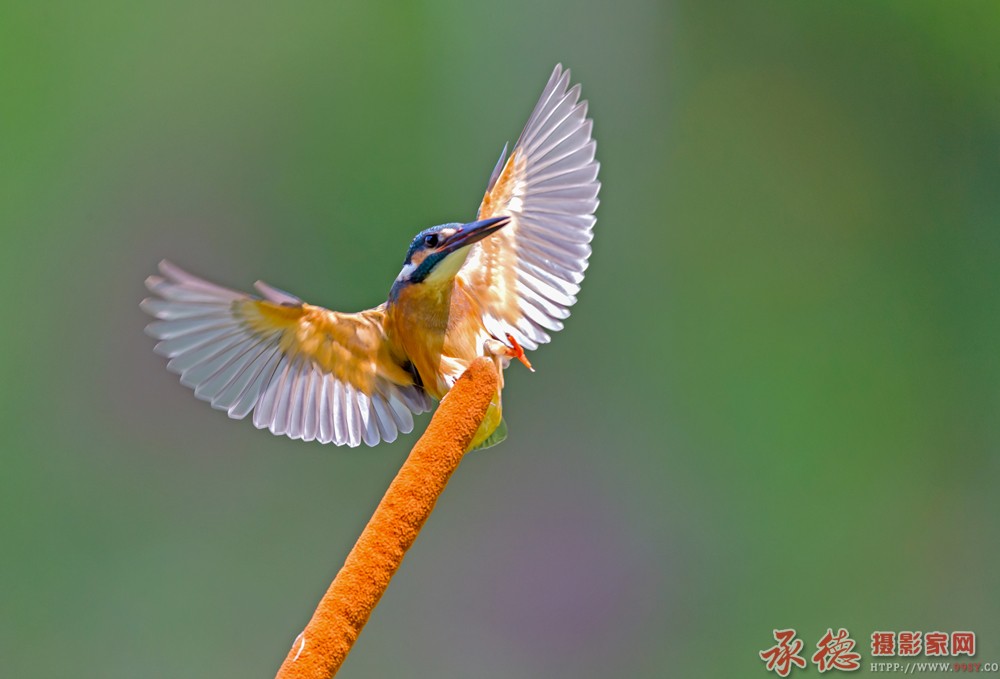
(527, 275)
(302, 370)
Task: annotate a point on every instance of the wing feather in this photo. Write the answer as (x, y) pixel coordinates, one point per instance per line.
(302, 370)
(310, 410)
(527, 275)
(386, 426)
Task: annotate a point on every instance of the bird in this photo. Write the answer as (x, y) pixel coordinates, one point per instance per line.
(495, 286)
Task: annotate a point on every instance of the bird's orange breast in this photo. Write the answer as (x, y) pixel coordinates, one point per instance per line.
(440, 331)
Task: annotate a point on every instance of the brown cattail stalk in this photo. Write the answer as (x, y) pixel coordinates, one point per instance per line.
(322, 647)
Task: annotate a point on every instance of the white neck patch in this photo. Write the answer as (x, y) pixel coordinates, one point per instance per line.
(406, 271)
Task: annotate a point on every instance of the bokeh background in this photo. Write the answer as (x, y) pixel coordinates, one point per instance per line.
(777, 403)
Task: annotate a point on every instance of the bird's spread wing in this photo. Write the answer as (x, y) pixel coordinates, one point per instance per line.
(527, 275)
(302, 370)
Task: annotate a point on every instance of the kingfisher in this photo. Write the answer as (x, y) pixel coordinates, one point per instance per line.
(495, 286)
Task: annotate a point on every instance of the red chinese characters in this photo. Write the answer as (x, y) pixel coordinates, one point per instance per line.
(780, 657)
(910, 643)
(963, 643)
(836, 651)
(935, 643)
(883, 643)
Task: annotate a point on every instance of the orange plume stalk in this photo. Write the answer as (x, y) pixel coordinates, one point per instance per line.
(322, 647)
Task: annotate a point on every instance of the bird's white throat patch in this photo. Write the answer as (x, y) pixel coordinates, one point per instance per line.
(406, 271)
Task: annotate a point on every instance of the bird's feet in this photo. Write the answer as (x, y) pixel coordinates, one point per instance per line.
(517, 351)
(503, 352)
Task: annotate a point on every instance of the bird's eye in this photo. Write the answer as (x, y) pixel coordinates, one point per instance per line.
(431, 240)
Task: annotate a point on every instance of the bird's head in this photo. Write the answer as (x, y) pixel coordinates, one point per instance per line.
(436, 254)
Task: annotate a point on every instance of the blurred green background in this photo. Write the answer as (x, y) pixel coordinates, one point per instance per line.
(777, 403)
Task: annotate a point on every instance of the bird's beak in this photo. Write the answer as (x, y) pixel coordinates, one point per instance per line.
(474, 232)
